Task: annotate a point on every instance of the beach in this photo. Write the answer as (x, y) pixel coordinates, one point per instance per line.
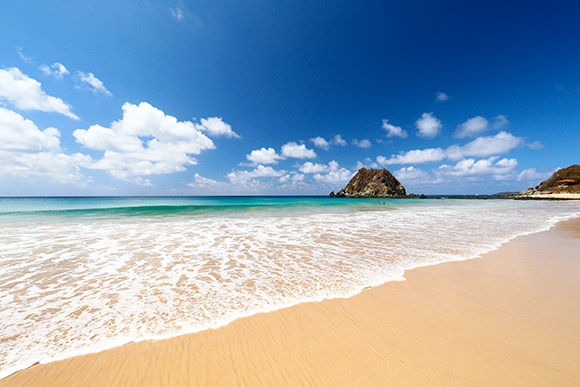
(511, 317)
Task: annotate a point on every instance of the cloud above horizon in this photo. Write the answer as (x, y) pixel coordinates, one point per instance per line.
(478, 124)
(500, 143)
(297, 151)
(144, 142)
(428, 125)
(26, 151)
(25, 93)
(56, 70)
(392, 130)
(92, 83)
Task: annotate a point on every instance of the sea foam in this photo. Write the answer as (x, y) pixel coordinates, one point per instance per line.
(75, 284)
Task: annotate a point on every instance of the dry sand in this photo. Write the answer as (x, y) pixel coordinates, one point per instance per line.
(555, 195)
(511, 318)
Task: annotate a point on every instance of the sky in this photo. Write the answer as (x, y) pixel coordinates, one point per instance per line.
(157, 97)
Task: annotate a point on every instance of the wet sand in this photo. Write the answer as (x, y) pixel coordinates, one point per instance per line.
(510, 318)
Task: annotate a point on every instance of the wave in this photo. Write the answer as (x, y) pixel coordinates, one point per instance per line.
(68, 288)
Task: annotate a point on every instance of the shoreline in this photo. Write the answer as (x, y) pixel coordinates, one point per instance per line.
(402, 277)
(42, 373)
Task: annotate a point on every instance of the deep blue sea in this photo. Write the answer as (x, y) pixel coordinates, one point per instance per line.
(80, 275)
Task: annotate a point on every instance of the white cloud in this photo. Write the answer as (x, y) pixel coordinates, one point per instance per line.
(479, 124)
(393, 131)
(499, 122)
(204, 182)
(412, 174)
(366, 163)
(56, 70)
(535, 145)
(416, 156)
(27, 151)
(338, 140)
(309, 167)
(215, 126)
(341, 175)
(243, 177)
(472, 126)
(92, 83)
(264, 156)
(292, 178)
(144, 142)
(470, 167)
(502, 142)
(364, 143)
(292, 149)
(320, 142)
(25, 93)
(441, 96)
(533, 175)
(428, 125)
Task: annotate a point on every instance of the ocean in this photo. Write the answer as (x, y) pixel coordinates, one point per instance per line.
(80, 275)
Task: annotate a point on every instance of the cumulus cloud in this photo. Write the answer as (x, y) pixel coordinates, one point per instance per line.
(264, 156)
(412, 174)
(205, 182)
(366, 163)
(479, 124)
(472, 126)
(215, 126)
(364, 143)
(25, 93)
(428, 125)
(309, 167)
(243, 177)
(27, 151)
(320, 142)
(470, 167)
(338, 140)
(393, 131)
(441, 96)
(417, 156)
(92, 83)
(292, 178)
(144, 142)
(56, 70)
(531, 174)
(341, 175)
(502, 142)
(292, 149)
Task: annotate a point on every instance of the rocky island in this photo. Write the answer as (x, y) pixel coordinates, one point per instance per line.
(372, 183)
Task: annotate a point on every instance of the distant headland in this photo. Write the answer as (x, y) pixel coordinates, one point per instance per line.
(380, 183)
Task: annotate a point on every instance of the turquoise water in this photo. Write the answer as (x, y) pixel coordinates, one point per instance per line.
(80, 275)
(43, 209)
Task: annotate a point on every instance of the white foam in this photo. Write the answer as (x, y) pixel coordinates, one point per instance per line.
(74, 287)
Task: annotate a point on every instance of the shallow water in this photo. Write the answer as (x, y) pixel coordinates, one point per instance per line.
(80, 275)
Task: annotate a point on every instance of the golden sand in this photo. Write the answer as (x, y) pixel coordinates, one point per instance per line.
(511, 318)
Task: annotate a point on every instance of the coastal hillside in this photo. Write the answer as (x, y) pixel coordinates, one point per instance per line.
(372, 183)
(563, 180)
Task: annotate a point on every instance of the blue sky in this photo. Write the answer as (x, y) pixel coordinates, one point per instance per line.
(210, 97)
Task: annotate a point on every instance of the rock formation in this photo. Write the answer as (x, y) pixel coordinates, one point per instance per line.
(372, 183)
